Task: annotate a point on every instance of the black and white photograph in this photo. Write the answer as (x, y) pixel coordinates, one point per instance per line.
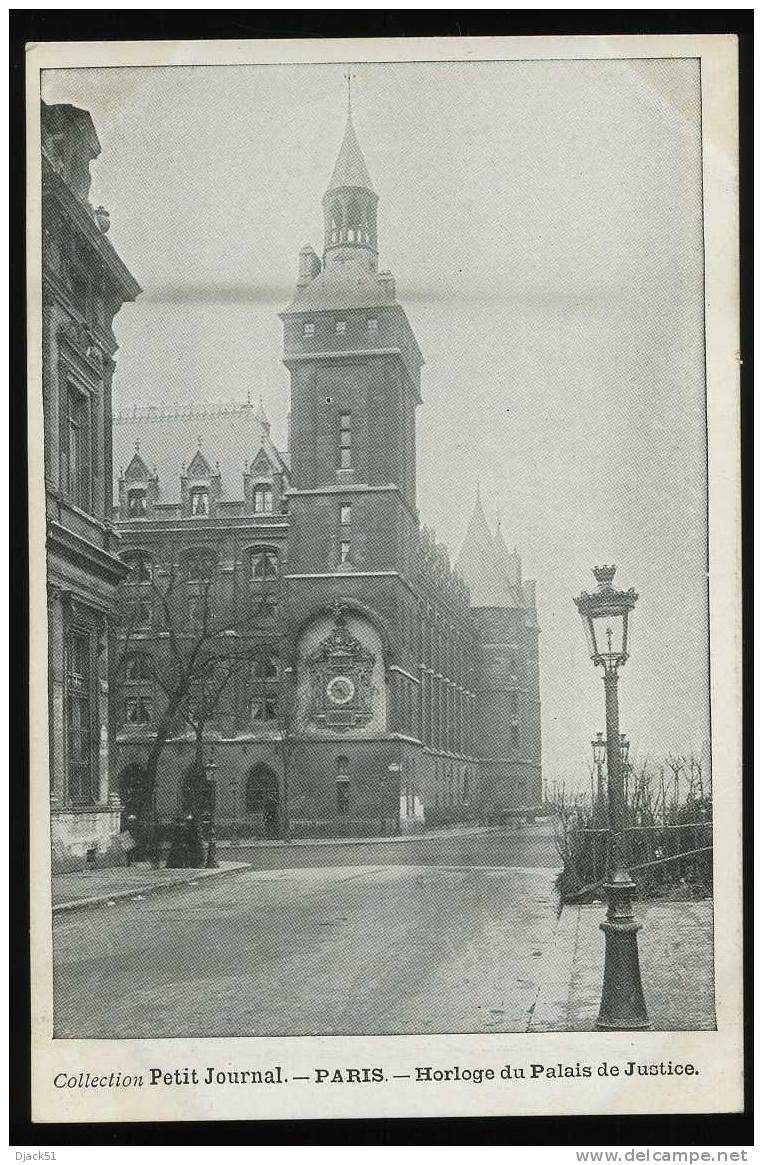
(376, 450)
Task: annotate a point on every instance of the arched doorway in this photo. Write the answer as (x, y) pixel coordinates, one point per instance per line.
(133, 793)
(262, 798)
(196, 793)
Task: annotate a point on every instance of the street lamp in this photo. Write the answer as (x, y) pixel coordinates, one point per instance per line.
(210, 769)
(625, 746)
(599, 747)
(605, 616)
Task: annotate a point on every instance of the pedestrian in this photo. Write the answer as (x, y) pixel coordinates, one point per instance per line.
(194, 844)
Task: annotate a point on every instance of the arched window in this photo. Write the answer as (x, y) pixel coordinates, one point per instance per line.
(263, 564)
(141, 567)
(136, 502)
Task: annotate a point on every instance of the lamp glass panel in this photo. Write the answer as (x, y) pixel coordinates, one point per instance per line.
(590, 639)
(609, 634)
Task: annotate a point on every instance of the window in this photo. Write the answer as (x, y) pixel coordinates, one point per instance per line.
(262, 708)
(263, 499)
(345, 514)
(373, 327)
(79, 737)
(309, 329)
(263, 684)
(514, 704)
(515, 736)
(139, 709)
(344, 551)
(136, 503)
(341, 327)
(264, 565)
(265, 668)
(345, 440)
(78, 450)
(199, 501)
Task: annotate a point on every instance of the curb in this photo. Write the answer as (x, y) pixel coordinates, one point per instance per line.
(150, 888)
(393, 838)
(549, 1012)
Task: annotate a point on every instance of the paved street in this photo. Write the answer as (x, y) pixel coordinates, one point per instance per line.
(452, 943)
(523, 845)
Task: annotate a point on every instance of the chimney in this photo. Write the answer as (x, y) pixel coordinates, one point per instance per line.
(309, 266)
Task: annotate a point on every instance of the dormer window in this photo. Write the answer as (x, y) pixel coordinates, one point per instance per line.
(309, 330)
(136, 503)
(199, 495)
(263, 499)
(341, 327)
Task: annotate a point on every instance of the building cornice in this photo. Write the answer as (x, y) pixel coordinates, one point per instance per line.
(66, 542)
(78, 214)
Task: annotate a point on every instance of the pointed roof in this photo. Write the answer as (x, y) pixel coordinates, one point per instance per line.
(199, 466)
(508, 562)
(168, 435)
(262, 416)
(479, 564)
(350, 168)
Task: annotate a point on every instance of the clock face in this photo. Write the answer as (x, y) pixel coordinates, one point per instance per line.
(340, 690)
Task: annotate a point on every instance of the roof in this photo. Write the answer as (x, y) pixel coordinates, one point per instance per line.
(350, 168)
(332, 290)
(509, 562)
(229, 434)
(479, 564)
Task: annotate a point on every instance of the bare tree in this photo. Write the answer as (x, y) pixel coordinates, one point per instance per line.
(192, 628)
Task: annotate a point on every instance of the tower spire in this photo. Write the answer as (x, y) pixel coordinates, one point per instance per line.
(349, 205)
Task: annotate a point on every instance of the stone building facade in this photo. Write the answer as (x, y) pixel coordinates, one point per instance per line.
(403, 699)
(84, 285)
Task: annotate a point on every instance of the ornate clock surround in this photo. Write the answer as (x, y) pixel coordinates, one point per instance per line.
(340, 671)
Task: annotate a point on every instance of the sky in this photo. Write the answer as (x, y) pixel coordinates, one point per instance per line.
(543, 221)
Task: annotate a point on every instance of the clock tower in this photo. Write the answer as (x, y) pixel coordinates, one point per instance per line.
(355, 373)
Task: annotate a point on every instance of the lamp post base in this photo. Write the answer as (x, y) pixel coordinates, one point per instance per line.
(622, 996)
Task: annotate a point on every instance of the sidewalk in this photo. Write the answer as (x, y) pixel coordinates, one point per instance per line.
(677, 972)
(95, 887)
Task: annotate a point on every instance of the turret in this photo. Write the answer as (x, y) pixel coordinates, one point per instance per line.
(349, 210)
